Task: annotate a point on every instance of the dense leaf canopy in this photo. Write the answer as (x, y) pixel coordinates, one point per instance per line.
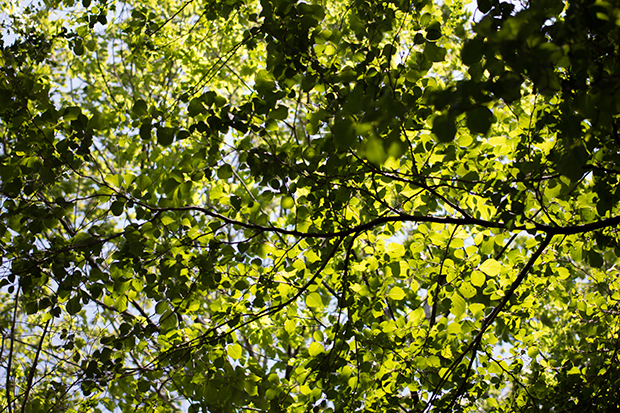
(339, 206)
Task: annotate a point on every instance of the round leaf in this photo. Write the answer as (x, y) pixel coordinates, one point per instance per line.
(234, 351)
(314, 300)
(490, 267)
(315, 348)
(397, 293)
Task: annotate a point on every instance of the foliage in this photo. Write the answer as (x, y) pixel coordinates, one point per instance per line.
(238, 205)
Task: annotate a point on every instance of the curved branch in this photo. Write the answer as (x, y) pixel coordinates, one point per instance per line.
(402, 217)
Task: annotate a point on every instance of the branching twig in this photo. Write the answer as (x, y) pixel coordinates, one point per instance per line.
(10, 361)
(487, 322)
(33, 368)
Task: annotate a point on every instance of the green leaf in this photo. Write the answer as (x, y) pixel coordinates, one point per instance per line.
(484, 5)
(196, 107)
(143, 182)
(508, 86)
(594, 259)
(344, 134)
(313, 300)
(467, 290)
(279, 113)
(32, 307)
(74, 306)
(165, 135)
(144, 386)
(140, 108)
(121, 302)
(264, 82)
(78, 47)
(117, 207)
(444, 128)
(490, 267)
(479, 120)
(241, 285)
(472, 51)
(434, 53)
(71, 113)
(315, 348)
(234, 351)
(288, 202)
(478, 278)
(395, 250)
(225, 172)
(388, 326)
(458, 305)
(168, 320)
(397, 293)
(145, 129)
(433, 31)
(374, 151)
(290, 326)
(182, 134)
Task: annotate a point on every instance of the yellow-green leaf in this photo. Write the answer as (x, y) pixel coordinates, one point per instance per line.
(396, 293)
(491, 267)
(289, 326)
(314, 300)
(315, 348)
(467, 290)
(458, 305)
(478, 278)
(395, 250)
(234, 351)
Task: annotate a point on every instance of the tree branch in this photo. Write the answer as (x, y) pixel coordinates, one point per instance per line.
(486, 324)
(33, 368)
(10, 361)
(549, 230)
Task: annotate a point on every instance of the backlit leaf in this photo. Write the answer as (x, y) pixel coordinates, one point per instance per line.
(314, 300)
(458, 305)
(316, 348)
(491, 267)
(234, 351)
(397, 293)
(478, 278)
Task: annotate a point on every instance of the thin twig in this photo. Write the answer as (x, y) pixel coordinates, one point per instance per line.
(10, 361)
(33, 368)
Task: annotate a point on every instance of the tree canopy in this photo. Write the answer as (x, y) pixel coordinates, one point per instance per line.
(319, 205)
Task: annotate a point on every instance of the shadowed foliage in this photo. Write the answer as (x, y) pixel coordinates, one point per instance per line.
(335, 206)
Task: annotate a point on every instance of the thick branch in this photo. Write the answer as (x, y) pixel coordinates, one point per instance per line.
(549, 230)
